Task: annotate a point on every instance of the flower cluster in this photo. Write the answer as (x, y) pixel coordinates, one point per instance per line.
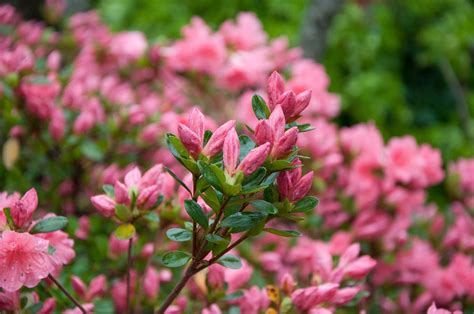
(30, 250)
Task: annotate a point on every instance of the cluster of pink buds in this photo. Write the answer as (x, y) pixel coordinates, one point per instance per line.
(273, 131)
(191, 135)
(292, 104)
(137, 190)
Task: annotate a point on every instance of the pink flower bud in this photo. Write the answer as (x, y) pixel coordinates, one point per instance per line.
(284, 184)
(275, 87)
(190, 140)
(255, 158)
(133, 177)
(344, 295)
(97, 287)
(302, 101)
(231, 151)
(196, 122)
(23, 209)
(151, 283)
(166, 275)
(349, 255)
(302, 187)
(360, 267)
(82, 232)
(78, 286)
(121, 193)
(214, 146)
(104, 204)
(287, 283)
(216, 277)
(277, 121)
(288, 103)
(285, 144)
(307, 298)
(84, 122)
(148, 197)
(151, 176)
(54, 60)
(264, 133)
(57, 124)
(48, 306)
(213, 309)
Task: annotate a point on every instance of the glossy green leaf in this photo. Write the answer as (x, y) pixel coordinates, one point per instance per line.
(260, 108)
(178, 180)
(264, 206)
(306, 204)
(176, 147)
(230, 261)
(196, 213)
(179, 235)
(283, 233)
(49, 224)
(175, 258)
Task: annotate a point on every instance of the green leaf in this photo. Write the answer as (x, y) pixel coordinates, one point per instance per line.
(264, 206)
(271, 194)
(239, 222)
(153, 217)
(260, 107)
(207, 136)
(8, 215)
(175, 258)
(123, 212)
(216, 239)
(283, 233)
(246, 145)
(209, 174)
(125, 231)
(279, 165)
(49, 224)
(91, 150)
(306, 204)
(219, 243)
(304, 127)
(109, 190)
(176, 147)
(256, 177)
(270, 179)
(211, 199)
(230, 261)
(196, 213)
(178, 180)
(179, 235)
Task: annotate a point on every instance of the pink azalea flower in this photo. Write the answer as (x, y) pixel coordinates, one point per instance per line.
(25, 258)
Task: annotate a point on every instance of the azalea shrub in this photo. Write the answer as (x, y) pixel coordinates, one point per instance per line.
(207, 175)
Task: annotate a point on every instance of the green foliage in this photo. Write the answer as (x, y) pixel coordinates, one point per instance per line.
(399, 63)
(164, 19)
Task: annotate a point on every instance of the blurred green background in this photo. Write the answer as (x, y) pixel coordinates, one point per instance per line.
(406, 65)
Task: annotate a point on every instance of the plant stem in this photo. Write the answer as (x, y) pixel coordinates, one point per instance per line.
(67, 294)
(177, 289)
(229, 248)
(129, 266)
